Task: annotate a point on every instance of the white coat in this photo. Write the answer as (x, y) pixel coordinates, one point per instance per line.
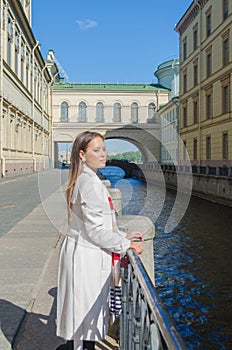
(85, 262)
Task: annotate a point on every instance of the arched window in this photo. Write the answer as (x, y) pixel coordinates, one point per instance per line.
(99, 112)
(151, 111)
(82, 112)
(64, 112)
(134, 112)
(117, 112)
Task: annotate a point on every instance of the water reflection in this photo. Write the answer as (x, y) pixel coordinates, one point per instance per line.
(192, 263)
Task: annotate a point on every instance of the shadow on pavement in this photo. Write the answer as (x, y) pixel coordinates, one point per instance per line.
(37, 331)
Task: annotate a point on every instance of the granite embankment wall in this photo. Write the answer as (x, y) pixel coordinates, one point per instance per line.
(214, 188)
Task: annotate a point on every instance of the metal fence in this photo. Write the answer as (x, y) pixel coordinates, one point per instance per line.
(144, 323)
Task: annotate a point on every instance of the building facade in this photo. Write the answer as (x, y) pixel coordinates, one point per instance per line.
(130, 108)
(25, 105)
(167, 74)
(169, 137)
(107, 103)
(205, 123)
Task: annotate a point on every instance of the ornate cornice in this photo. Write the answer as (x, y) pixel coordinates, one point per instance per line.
(190, 15)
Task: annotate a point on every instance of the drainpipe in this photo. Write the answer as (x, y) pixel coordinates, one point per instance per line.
(2, 158)
(51, 148)
(43, 109)
(33, 106)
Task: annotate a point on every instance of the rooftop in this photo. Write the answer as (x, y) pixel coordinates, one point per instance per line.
(169, 64)
(108, 87)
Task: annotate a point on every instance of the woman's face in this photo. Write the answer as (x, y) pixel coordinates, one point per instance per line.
(95, 154)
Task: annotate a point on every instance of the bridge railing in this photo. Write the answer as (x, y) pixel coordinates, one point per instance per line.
(144, 322)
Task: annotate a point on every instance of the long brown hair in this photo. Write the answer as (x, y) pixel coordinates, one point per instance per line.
(80, 144)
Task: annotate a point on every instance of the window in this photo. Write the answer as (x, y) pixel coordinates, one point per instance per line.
(185, 82)
(195, 149)
(134, 112)
(195, 112)
(9, 41)
(99, 112)
(225, 99)
(208, 106)
(4, 8)
(185, 49)
(195, 38)
(82, 112)
(209, 64)
(31, 81)
(16, 61)
(184, 150)
(195, 73)
(64, 112)
(22, 60)
(208, 147)
(151, 111)
(9, 51)
(225, 8)
(27, 68)
(225, 51)
(35, 82)
(185, 117)
(225, 146)
(16, 51)
(117, 112)
(208, 24)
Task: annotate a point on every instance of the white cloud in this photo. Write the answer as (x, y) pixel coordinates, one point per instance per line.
(86, 24)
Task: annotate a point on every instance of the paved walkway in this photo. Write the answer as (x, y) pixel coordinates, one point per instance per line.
(28, 274)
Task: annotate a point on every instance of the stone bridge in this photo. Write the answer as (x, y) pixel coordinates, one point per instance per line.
(144, 136)
(118, 111)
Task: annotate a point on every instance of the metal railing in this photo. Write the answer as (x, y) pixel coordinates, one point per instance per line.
(219, 171)
(144, 323)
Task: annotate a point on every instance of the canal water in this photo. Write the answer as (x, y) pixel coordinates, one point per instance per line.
(192, 263)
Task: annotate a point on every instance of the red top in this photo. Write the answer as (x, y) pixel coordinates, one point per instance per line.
(115, 256)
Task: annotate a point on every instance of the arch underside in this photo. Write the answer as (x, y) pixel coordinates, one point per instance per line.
(145, 137)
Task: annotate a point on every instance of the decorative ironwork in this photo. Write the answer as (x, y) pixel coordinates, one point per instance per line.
(144, 323)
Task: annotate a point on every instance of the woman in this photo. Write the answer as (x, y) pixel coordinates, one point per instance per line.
(86, 252)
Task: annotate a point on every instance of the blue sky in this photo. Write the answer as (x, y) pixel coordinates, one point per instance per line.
(109, 41)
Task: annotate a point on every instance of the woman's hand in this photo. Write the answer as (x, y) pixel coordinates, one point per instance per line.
(137, 247)
(134, 236)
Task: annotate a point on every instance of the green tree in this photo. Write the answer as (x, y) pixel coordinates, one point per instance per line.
(133, 156)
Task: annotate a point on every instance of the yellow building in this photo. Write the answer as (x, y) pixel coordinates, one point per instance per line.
(205, 122)
(25, 121)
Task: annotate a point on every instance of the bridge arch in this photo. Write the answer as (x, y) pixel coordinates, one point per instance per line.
(145, 139)
(130, 169)
(133, 142)
(61, 138)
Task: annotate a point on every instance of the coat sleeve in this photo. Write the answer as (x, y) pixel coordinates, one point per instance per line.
(97, 217)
